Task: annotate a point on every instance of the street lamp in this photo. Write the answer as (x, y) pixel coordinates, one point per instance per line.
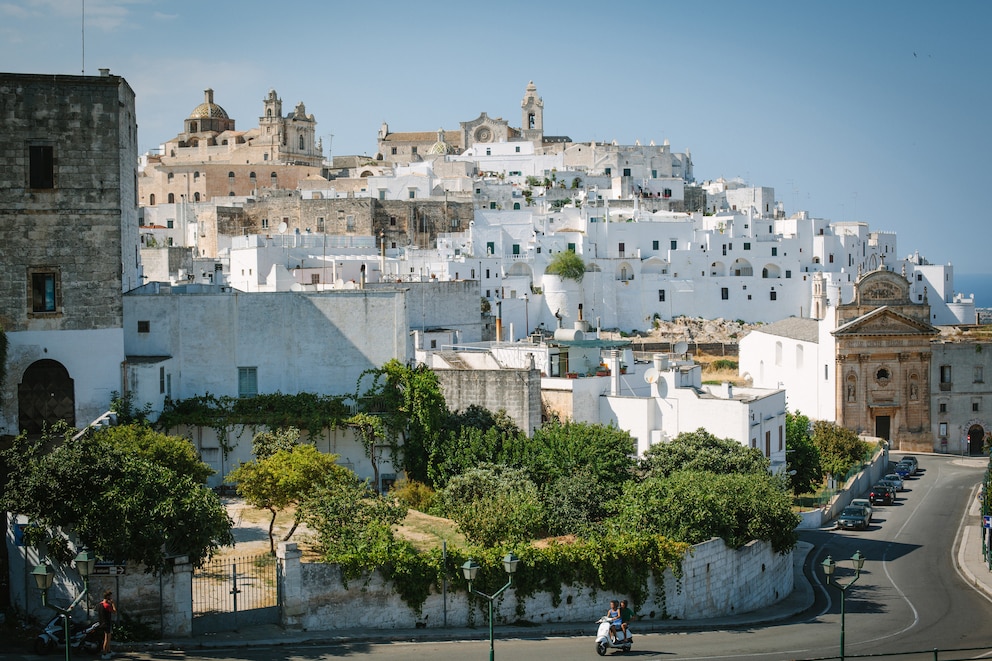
(526, 316)
(471, 569)
(858, 560)
(44, 576)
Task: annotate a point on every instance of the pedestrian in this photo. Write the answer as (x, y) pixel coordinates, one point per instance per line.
(106, 609)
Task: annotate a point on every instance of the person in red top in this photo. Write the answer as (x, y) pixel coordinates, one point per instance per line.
(106, 609)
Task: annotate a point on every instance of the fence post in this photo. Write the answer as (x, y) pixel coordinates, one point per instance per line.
(177, 600)
(290, 570)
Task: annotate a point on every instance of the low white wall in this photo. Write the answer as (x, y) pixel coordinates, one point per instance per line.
(716, 581)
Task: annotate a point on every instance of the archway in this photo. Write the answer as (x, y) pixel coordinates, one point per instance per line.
(45, 395)
(976, 434)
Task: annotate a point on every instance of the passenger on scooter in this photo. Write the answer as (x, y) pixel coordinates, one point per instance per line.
(614, 616)
(626, 615)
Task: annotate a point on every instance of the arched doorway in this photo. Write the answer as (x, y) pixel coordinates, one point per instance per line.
(976, 434)
(45, 395)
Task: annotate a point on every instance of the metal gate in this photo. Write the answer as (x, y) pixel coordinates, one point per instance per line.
(232, 593)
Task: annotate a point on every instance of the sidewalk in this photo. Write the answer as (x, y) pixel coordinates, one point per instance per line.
(968, 558)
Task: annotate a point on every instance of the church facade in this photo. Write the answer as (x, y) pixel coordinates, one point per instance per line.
(883, 345)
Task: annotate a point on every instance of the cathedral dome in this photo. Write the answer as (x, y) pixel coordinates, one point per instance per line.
(208, 109)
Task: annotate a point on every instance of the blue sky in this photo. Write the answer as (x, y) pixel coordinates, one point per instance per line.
(869, 111)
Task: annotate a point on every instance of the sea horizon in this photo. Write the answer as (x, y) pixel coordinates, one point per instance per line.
(979, 284)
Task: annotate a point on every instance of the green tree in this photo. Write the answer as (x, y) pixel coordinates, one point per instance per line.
(692, 507)
(702, 451)
(352, 525)
(471, 437)
(494, 505)
(119, 503)
(371, 430)
(567, 265)
(412, 409)
(840, 449)
(284, 479)
(174, 452)
(802, 455)
(267, 443)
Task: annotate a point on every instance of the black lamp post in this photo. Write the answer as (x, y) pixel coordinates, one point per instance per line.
(471, 569)
(858, 560)
(44, 576)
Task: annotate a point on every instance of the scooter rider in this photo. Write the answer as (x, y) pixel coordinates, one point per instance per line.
(626, 615)
(614, 616)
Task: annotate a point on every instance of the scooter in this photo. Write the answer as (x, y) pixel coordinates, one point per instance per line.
(82, 638)
(603, 642)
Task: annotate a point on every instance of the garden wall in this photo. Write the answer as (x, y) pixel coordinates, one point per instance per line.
(716, 581)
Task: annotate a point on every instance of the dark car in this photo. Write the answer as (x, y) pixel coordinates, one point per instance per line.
(853, 516)
(880, 495)
(910, 459)
(908, 464)
(903, 470)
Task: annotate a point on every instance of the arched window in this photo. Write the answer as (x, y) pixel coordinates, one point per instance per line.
(301, 142)
(251, 176)
(274, 178)
(151, 200)
(196, 197)
(196, 176)
(778, 354)
(268, 112)
(171, 176)
(230, 178)
(172, 198)
(516, 206)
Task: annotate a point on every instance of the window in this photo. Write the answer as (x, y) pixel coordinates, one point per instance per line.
(171, 175)
(943, 429)
(774, 252)
(609, 171)
(144, 326)
(252, 178)
(492, 205)
(780, 437)
(516, 248)
(196, 175)
(778, 354)
(247, 381)
(45, 290)
(413, 193)
(626, 172)
(621, 248)
(349, 223)
(490, 248)
(661, 295)
(413, 150)
(320, 224)
(788, 273)
(170, 223)
(654, 245)
(393, 151)
(976, 405)
(654, 174)
(314, 278)
(773, 295)
(571, 247)
(724, 293)
(945, 375)
(265, 223)
(161, 379)
(489, 151)
(674, 245)
(230, 178)
(942, 407)
(172, 198)
(151, 200)
(979, 374)
(301, 143)
(196, 196)
(517, 150)
(747, 246)
(274, 179)
(768, 443)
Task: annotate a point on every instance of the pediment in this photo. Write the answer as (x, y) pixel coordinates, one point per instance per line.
(885, 321)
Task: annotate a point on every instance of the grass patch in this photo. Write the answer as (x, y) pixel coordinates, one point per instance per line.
(428, 532)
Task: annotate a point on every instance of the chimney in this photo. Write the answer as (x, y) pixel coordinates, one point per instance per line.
(208, 96)
(105, 73)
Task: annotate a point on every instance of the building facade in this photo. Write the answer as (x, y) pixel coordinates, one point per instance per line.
(68, 244)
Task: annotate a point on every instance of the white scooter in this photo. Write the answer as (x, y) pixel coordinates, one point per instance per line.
(603, 642)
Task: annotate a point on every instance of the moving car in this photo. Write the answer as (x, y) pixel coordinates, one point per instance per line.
(854, 517)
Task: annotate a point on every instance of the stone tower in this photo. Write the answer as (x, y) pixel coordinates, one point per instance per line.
(532, 115)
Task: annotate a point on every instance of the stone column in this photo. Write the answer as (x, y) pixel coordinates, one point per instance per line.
(177, 600)
(291, 585)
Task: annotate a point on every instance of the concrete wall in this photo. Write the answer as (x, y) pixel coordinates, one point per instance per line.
(518, 392)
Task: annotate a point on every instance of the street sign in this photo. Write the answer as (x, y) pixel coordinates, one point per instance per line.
(109, 569)
(987, 521)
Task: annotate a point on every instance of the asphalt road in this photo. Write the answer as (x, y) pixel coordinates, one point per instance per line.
(909, 598)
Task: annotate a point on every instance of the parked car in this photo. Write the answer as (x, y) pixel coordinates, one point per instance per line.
(882, 493)
(903, 470)
(908, 464)
(866, 503)
(910, 458)
(896, 481)
(853, 517)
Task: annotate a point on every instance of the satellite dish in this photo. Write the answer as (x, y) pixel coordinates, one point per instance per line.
(650, 375)
(681, 347)
(283, 227)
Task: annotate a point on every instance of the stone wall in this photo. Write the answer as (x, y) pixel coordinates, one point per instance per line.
(716, 581)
